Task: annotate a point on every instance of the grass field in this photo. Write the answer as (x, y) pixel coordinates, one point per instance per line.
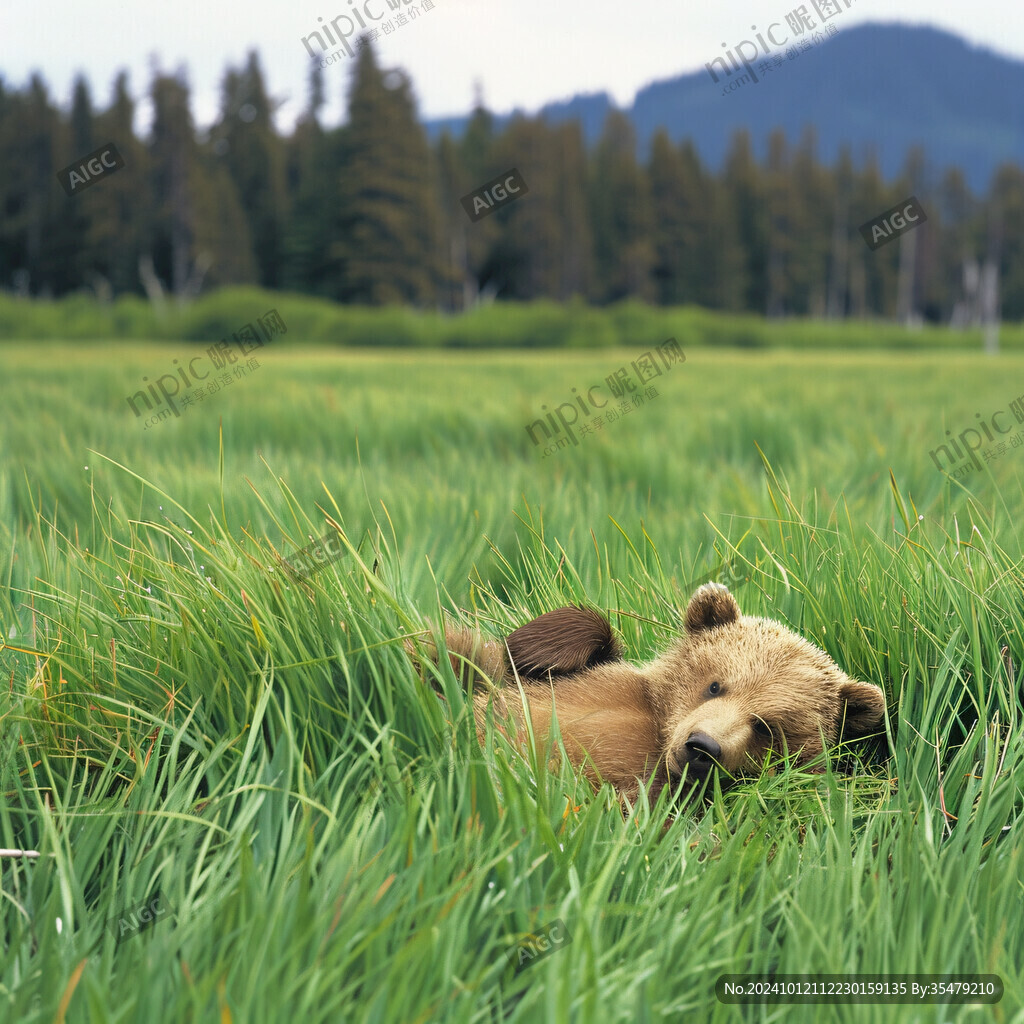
(327, 839)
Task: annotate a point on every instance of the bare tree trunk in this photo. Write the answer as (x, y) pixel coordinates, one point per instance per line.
(990, 305)
(989, 290)
(102, 287)
(191, 286)
(460, 259)
(776, 269)
(151, 283)
(965, 310)
(835, 306)
(905, 281)
(858, 287)
(194, 281)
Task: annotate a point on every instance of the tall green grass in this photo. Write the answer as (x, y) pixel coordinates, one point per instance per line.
(334, 843)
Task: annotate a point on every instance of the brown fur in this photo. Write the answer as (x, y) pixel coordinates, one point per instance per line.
(774, 691)
(562, 642)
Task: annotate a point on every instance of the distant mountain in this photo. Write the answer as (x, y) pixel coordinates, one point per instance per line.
(877, 87)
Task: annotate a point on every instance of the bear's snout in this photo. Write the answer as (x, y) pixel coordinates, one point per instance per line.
(701, 753)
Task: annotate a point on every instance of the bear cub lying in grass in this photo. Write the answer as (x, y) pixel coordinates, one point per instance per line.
(728, 691)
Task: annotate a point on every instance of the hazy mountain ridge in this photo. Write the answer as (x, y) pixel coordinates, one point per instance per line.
(877, 87)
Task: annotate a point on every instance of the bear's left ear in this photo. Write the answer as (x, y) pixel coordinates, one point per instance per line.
(861, 707)
(711, 605)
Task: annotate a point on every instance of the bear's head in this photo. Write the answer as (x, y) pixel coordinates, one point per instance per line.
(734, 688)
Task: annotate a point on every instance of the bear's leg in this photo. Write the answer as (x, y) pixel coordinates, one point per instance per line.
(476, 662)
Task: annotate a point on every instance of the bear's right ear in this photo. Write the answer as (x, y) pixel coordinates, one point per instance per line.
(561, 642)
(712, 605)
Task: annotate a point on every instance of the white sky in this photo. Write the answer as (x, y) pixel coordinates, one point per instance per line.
(523, 52)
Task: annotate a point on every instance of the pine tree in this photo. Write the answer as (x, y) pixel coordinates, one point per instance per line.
(387, 246)
(311, 159)
(621, 216)
(253, 155)
(473, 245)
(674, 242)
(913, 257)
(872, 274)
(124, 200)
(745, 186)
(1004, 244)
(73, 242)
(458, 287)
(812, 199)
(31, 142)
(198, 226)
(843, 236)
(951, 293)
(542, 244)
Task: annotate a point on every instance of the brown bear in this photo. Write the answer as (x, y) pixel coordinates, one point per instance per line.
(728, 691)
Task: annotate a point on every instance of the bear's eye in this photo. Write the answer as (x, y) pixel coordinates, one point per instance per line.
(762, 729)
(714, 689)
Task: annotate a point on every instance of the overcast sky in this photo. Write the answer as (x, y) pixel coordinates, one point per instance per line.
(522, 52)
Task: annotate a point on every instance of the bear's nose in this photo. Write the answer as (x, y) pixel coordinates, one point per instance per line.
(702, 752)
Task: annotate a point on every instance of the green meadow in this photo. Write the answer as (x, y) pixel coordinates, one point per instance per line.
(183, 721)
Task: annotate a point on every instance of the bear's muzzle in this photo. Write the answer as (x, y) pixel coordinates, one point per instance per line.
(700, 754)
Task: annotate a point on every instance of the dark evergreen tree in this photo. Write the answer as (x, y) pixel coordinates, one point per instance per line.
(1004, 244)
(542, 246)
(253, 156)
(77, 240)
(458, 287)
(811, 216)
(621, 216)
(311, 178)
(842, 237)
(368, 212)
(387, 246)
(124, 201)
(674, 239)
(198, 227)
(32, 140)
(952, 294)
(744, 184)
(872, 274)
